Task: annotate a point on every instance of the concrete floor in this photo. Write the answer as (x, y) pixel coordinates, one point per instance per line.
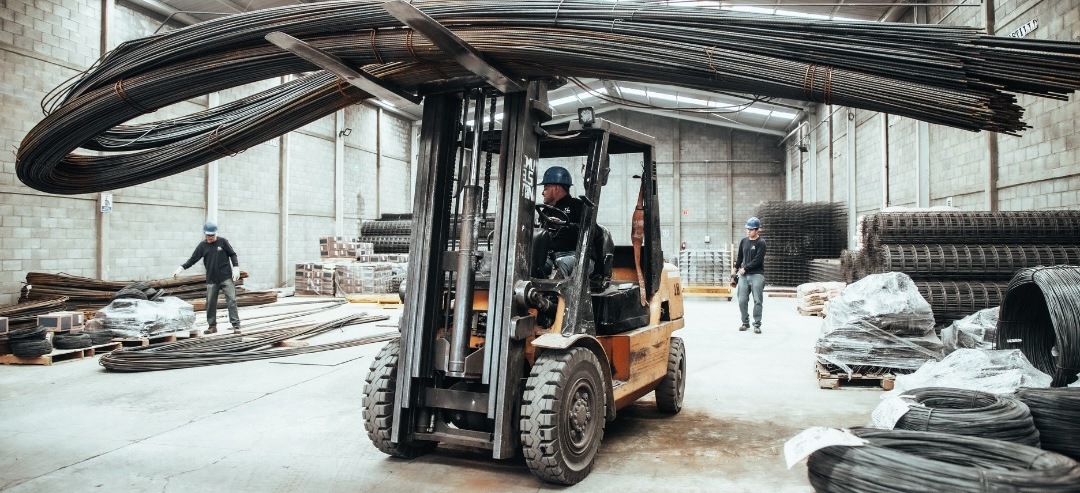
(294, 425)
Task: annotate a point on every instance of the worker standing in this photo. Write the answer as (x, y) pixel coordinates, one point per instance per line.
(222, 272)
(750, 267)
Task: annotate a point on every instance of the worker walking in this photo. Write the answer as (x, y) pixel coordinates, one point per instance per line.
(750, 267)
(222, 271)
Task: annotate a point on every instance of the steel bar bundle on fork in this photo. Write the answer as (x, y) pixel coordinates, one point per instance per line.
(949, 75)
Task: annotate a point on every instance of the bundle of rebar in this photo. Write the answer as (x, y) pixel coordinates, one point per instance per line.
(948, 75)
(85, 292)
(205, 351)
(824, 270)
(1040, 316)
(24, 314)
(797, 232)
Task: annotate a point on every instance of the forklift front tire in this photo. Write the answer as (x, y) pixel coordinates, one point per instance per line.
(562, 415)
(378, 410)
(669, 394)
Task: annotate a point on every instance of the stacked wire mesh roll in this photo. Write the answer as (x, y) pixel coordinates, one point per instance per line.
(949, 75)
(1056, 413)
(795, 233)
(962, 261)
(386, 236)
(1040, 316)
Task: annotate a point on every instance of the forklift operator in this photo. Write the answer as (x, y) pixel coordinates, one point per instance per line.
(562, 243)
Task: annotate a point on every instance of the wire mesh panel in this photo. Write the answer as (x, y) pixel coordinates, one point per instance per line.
(824, 270)
(983, 262)
(705, 267)
(953, 300)
(795, 233)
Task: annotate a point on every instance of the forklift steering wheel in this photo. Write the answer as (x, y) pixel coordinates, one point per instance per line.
(551, 218)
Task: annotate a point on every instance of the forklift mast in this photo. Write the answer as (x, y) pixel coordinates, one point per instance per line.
(472, 299)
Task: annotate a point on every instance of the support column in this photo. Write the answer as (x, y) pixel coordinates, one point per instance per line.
(104, 219)
(832, 154)
(378, 161)
(676, 188)
(884, 160)
(212, 186)
(728, 156)
(922, 170)
(811, 177)
(852, 182)
(285, 269)
(991, 172)
(339, 173)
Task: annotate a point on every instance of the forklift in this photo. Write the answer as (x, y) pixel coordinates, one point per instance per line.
(495, 352)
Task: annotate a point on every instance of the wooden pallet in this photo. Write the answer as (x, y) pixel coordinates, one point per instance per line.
(381, 299)
(59, 355)
(819, 313)
(828, 379)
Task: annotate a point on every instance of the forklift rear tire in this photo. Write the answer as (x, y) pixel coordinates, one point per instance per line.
(669, 394)
(379, 405)
(562, 415)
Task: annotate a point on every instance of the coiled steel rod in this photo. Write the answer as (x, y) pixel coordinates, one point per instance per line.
(948, 75)
(1040, 317)
(969, 412)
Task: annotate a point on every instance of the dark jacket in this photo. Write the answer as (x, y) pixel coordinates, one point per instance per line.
(216, 258)
(565, 240)
(751, 256)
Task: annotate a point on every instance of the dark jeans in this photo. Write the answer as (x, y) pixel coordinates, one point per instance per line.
(212, 291)
(751, 284)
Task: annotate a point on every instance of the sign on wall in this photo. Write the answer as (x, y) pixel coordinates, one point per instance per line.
(1022, 31)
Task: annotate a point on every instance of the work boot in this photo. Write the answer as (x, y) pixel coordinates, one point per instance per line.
(757, 329)
(236, 329)
(210, 330)
(744, 327)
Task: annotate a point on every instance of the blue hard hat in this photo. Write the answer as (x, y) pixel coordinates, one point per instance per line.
(753, 223)
(557, 175)
(209, 228)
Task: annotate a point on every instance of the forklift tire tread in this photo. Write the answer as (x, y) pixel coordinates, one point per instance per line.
(378, 412)
(562, 415)
(669, 393)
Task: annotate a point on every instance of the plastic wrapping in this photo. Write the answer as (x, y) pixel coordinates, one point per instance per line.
(888, 301)
(142, 318)
(861, 344)
(812, 296)
(994, 371)
(975, 331)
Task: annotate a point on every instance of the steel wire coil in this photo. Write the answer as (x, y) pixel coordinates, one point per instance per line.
(953, 300)
(1040, 316)
(255, 345)
(953, 76)
(1056, 413)
(970, 413)
(981, 262)
(919, 461)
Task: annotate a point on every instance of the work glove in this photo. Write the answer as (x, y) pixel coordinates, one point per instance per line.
(235, 274)
(177, 272)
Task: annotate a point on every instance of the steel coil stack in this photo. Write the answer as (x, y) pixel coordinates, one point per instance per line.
(1056, 413)
(795, 233)
(1040, 316)
(962, 261)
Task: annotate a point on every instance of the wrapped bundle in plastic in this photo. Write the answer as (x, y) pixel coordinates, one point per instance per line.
(861, 344)
(143, 318)
(997, 372)
(975, 331)
(889, 301)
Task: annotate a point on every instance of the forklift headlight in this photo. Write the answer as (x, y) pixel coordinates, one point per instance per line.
(586, 116)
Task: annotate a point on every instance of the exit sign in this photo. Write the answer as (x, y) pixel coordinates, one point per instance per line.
(1031, 25)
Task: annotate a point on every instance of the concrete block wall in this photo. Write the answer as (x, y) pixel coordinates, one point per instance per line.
(1038, 170)
(155, 226)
